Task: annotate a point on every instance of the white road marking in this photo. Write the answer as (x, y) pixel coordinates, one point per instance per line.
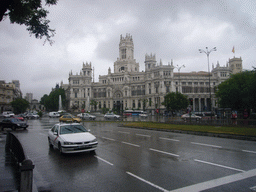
(148, 182)
(218, 165)
(169, 139)
(130, 144)
(108, 138)
(143, 135)
(103, 160)
(249, 151)
(216, 146)
(123, 132)
(163, 152)
(217, 182)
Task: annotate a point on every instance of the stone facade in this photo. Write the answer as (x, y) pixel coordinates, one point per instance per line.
(9, 92)
(128, 88)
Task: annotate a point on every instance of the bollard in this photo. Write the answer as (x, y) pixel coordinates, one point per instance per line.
(26, 175)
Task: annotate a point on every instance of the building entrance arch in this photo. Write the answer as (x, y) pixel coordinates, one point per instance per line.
(118, 102)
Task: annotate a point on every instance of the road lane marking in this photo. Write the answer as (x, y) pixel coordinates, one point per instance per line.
(218, 165)
(217, 182)
(108, 138)
(130, 144)
(148, 182)
(143, 135)
(103, 160)
(249, 151)
(216, 146)
(123, 132)
(167, 153)
(169, 139)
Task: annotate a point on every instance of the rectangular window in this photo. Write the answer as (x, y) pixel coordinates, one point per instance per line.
(123, 53)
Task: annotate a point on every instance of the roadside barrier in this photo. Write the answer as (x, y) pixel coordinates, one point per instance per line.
(25, 166)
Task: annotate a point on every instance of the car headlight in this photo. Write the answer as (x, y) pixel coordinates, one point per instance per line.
(68, 143)
(94, 140)
(18, 124)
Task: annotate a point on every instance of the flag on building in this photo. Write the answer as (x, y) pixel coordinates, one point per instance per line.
(233, 50)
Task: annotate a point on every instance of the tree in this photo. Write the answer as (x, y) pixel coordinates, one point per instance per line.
(94, 103)
(19, 105)
(175, 101)
(51, 102)
(238, 92)
(144, 103)
(29, 13)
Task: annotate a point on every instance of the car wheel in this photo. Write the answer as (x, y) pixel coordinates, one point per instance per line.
(90, 118)
(25, 128)
(75, 121)
(60, 148)
(13, 127)
(50, 144)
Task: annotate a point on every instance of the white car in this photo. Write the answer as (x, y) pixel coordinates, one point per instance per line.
(71, 138)
(8, 114)
(143, 114)
(32, 116)
(86, 116)
(192, 117)
(54, 114)
(111, 116)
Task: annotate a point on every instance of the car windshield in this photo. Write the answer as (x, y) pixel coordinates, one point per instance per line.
(15, 120)
(69, 129)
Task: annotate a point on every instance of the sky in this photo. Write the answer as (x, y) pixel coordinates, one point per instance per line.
(89, 31)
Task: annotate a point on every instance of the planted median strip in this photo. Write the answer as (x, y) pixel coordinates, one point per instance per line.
(242, 131)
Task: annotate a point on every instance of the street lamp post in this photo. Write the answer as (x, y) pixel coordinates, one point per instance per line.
(207, 52)
(179, 73)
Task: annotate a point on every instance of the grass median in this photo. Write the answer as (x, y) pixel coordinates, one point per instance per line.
(243, 131)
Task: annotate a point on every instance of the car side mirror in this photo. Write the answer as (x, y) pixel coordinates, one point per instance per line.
(55, 133)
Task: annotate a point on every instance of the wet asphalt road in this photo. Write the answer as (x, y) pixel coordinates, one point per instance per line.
(141, 160)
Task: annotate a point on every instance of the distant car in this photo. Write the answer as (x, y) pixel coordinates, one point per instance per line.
(71, 138)
(8, 114)
(192, 117)
(86, 116)
(13, 123)
(111, 116)
(54, 114)
(32, 116)
(69, 118)
(144, 114)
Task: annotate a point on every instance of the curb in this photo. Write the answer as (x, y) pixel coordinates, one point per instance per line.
(220, 135)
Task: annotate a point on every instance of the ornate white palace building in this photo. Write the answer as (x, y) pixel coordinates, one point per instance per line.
(128, 88)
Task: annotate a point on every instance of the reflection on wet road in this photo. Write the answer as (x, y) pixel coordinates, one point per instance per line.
(129, 159)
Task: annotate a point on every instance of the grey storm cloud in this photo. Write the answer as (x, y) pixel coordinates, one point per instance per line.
(89, 31)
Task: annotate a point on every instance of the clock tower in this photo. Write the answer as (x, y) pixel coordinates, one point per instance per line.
(126, 61)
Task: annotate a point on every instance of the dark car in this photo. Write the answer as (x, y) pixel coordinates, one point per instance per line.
(13, 123)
